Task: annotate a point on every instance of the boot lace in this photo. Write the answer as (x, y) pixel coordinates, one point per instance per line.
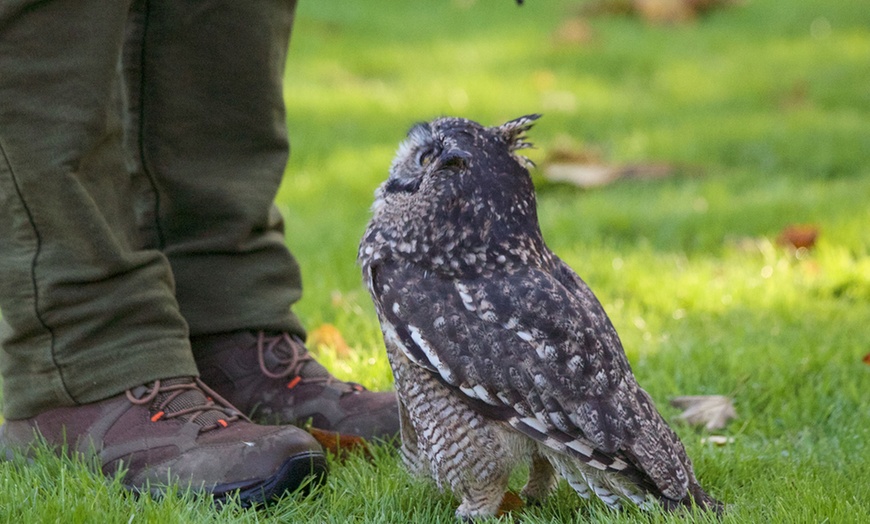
(187, 397)
(291, 357)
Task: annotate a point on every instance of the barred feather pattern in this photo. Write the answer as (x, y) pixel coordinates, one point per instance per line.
(500, 352)
(450, 452)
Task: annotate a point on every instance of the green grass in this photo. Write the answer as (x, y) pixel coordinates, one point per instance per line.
(770, 126)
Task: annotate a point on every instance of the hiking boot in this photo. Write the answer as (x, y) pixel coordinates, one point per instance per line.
(178, 431)
(273, 379)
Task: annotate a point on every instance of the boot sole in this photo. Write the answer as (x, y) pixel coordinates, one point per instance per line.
(298, 474)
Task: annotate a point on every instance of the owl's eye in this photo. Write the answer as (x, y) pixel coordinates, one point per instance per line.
(426, 155)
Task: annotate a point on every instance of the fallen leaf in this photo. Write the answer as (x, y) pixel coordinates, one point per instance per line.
(340, 445)
(646, 171)
(656, 11)
(327, 335)
(510, 503)
(665, 11)
(568, 151)
(799, 236)
(581, 175)
(583, 165)
(589, 175)
(717, 440)
(711, 411)
(574, 31)
(866, 359)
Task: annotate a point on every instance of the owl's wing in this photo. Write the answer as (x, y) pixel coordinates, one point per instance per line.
(536, 350)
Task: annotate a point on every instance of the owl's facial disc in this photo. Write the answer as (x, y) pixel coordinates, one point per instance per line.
(426, 155)
(418, 155)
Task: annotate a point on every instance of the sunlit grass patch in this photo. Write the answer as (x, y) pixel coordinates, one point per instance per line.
(763, 110)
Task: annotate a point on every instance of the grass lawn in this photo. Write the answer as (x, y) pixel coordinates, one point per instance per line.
(763, 108)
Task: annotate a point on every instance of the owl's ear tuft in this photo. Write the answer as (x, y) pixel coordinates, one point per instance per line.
(514, 135)
(514, 131)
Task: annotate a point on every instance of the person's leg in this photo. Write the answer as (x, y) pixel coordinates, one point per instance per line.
(90, 321)
(211, 138)
(208, 131)
(86, 314)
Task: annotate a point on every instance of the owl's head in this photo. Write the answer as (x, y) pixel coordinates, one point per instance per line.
(455, 144)
(457, 159)
(457, 187)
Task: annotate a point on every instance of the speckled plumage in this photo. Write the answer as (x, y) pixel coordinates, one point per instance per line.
(500, 352)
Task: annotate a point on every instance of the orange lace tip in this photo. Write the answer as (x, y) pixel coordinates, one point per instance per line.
(292, 384)
(222, 422)
(157, 416)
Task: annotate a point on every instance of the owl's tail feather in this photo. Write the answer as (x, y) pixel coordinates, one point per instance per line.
(696, 497)
(705, 501)
(613, 490)
(587, 481)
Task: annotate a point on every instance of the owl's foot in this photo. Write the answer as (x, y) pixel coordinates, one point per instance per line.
(489, 501)
(274, 379)
(542, 480)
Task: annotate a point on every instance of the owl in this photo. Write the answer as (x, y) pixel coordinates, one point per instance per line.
(501, 353)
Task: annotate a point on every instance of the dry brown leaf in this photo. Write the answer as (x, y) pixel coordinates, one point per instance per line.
(665, 11)
(657, 11)
(581, 175)
(798, 236)
(340, 445)
(567, 151)
(711, 411)
(575, 31)
(589, 175)
(510, 503)
(646, 171)
(327, 335)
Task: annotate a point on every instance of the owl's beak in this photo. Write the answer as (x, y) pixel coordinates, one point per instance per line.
(454, 158)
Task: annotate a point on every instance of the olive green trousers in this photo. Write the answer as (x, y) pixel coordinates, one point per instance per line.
(141, 147)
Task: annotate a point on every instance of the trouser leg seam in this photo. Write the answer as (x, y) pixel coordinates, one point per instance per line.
(140, 128)
(33, 264)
